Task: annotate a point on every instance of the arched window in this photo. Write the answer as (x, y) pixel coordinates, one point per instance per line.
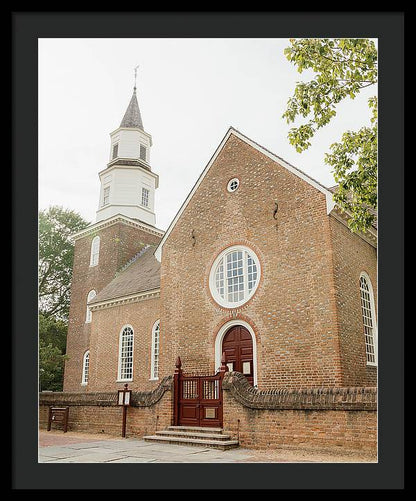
(95, 251)
(154, 366)
(90, 297)
(125, 361)
(85, 367)
(369, 319)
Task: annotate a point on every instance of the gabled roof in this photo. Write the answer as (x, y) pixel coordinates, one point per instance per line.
(141, 274)
(328, 194)
(132, 118)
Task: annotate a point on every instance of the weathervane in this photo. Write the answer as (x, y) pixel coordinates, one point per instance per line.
(135, 76)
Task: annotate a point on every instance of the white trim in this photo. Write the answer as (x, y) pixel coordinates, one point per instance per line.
(374, 318)
(236, 180)
(212, 276)
(152, 353)
(95, 251)
(88, 315)
(261, 149)
(220, 337)
(118, 218)
(132, 298)
(84, 359)
(119, 378)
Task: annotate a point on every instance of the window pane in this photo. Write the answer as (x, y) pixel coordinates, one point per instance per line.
(145, 197)
(126, 355)
(367, 320)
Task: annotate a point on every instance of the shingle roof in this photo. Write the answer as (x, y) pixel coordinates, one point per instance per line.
(141, 274)
(132, 117)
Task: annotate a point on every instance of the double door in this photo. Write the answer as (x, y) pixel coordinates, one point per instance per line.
(238, 348)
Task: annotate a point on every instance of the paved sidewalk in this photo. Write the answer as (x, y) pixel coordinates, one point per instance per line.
(72, 447)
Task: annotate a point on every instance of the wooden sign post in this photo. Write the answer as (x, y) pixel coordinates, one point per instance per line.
(124, 398)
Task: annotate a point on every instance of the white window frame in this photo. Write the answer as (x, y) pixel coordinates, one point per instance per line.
(120, 351)
(145, 198)
(106, 196)
(372, 310)
(231, 183)
(85, 368)
(212, 276)
(95, 251)
(88, 315)
(145, 152)
(154, 360)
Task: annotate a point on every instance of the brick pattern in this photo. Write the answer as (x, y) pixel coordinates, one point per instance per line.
(351, 256)
(99, 412)
(320, 417)
(118, 243)
(294, 309)
(104, 350)
(364, 398)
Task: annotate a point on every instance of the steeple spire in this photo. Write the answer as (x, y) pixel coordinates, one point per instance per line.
(127, 183)
(132, 118)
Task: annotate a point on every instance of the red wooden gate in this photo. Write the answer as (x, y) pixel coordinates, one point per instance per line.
(198, 399)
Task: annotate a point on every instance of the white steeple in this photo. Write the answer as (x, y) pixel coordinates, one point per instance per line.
(127, 183)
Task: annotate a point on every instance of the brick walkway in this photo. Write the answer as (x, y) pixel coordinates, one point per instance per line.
(72, 447)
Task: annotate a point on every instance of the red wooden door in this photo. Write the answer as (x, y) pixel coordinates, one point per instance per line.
(200, 401)
(238, 347)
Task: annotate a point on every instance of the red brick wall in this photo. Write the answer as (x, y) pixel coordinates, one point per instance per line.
(352, 255)
(293, 312)
(264, 429)
(104, 345)
(91, 416)
(118, 243)
(345, 417)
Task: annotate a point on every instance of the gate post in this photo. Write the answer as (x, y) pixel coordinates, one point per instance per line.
(176, 386)
(222, 371)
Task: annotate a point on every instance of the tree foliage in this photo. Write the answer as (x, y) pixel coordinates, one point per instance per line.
(342, 68)
(56, 225)
(51, 367)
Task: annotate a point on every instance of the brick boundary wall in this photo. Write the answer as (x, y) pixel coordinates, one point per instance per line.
(99, 413)
(313, 417)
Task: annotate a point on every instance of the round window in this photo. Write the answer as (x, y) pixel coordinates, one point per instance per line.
(233, 184)
(234, 276)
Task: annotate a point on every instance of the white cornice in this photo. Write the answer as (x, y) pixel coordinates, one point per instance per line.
(122, 300)
(119, 218)
(112, 166)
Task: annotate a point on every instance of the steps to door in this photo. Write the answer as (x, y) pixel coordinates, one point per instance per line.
(194, 435)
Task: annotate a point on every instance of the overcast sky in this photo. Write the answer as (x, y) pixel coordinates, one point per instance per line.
(190, 91)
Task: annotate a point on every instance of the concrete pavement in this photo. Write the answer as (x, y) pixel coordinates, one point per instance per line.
(72, 447)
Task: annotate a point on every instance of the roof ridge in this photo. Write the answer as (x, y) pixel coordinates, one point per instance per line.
(132, 260)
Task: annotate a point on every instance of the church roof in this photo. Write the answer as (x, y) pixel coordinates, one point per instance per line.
(132, 118)
(140, 274)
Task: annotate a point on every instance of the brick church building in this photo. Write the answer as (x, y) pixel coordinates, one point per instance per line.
(257, 274)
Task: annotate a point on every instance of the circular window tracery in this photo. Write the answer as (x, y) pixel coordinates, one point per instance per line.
(234, 276)
(233, 184)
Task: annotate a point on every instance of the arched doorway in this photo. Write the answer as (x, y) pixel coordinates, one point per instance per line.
(237, 344)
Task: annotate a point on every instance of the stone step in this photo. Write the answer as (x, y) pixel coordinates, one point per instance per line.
(199, 429)
(194, 434)
(217, 444)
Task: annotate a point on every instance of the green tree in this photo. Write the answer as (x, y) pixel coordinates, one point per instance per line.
(51, 367)
(342, 67)
(56, 252)
(56, 225)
